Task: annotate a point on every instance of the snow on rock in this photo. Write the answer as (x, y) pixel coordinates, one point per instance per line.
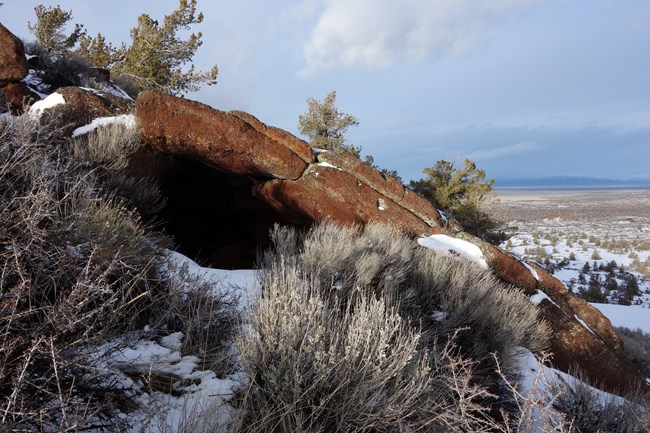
(52, 100)
(128, 120)
(538, 297)
(454, 246)
(328, 165)
(531, 269)
(583, 324)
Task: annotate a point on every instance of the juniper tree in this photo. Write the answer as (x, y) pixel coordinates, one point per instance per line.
(464, 193)
(154, 60)
(49, 29)
(156, 56)
(324, 124)
(97, 51)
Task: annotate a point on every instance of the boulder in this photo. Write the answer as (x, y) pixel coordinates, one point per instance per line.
(82, 106)
(13, 65)
(385, 185)
(15, 97)
(218, 139)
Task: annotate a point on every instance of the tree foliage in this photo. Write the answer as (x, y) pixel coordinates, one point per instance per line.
(325, 125)
(49, 29)
(157, 55)
(463, 193)
(97, 51)
(156, 58)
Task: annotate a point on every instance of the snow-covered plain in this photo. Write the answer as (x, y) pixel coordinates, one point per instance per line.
(568, 230)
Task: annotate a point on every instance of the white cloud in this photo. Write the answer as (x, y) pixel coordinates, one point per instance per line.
(505, 151)
(378, 33)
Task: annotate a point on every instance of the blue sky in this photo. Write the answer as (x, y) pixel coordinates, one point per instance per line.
(525, 88)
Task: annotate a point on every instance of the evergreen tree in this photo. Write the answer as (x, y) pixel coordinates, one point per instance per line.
(49, 29)
(155, 58)
(97, 51)
(324, 124)
(463, 193)
(156, 55)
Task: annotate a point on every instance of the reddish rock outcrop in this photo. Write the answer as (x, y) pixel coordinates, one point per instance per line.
(16, 96)
(277, 175)
(82, 107)
(13, 65)
(326, 192)
(221, 140)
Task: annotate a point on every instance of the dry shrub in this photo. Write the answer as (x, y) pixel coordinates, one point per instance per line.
(427, 286)
(317, 368)
(590, 410)
(636, 345)
(106, 151)
(107, 146)
(77, 267)
(428, 323)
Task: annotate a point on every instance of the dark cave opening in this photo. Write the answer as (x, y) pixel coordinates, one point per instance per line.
(213, 216)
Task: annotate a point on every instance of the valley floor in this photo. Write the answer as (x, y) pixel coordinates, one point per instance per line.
(597, 242)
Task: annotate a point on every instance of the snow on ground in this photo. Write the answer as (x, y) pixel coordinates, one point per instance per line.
(191, 399)
(243, 283)
(128, 120)
(196, 394)
(541, 384)
(628, 316)
(454, 246)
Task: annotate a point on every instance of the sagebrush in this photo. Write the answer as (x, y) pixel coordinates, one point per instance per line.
(363, 330)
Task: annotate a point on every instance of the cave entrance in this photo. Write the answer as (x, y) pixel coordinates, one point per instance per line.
(213, 216)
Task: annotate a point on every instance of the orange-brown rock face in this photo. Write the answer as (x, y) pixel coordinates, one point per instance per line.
(288, 184)
(14, 95)
(13, 65)
(221, 140)
(327, 192)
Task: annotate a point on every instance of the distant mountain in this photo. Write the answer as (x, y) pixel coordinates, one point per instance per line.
(571, 181)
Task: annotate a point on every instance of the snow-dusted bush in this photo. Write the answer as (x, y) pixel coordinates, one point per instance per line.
(589, 410)
(78, 267)
(106, 149)
(636, 345)
(354, 366)
(318, 290)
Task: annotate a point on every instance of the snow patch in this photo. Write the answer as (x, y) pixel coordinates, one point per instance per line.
(197, 393)
(327, 164)
(531, 269)
(52, 100)
(453, 246)
(243, 283)
(128, 120)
